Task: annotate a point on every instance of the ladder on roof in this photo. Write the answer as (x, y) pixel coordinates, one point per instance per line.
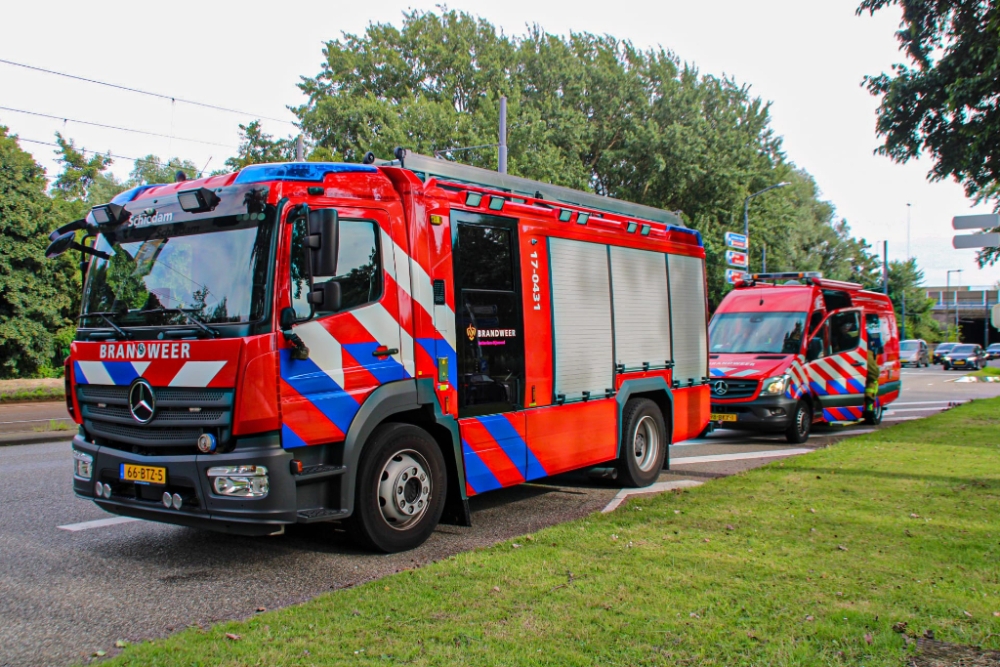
(429, 167)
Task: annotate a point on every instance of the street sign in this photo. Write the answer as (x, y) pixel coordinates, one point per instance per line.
(990, 240)
(732, 275)
(738, 241)
(986, 221)
(736, 258)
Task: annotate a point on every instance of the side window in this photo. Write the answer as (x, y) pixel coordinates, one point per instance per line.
(359, 266)
(845, 332)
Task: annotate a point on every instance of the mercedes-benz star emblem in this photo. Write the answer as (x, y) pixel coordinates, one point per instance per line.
(141, 401)
(720, 388)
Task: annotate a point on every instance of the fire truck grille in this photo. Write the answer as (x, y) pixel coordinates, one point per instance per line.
(734, 388)
(181, 415)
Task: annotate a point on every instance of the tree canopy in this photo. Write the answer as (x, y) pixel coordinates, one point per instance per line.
(585, 111)
(944, 101)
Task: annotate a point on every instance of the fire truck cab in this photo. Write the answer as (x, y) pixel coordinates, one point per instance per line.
(786, 356)
(374, 343)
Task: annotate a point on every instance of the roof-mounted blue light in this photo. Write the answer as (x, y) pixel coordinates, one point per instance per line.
(297, 171)
(130, 195)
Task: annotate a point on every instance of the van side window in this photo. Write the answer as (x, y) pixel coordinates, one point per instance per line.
(845, 332)
(359, 267)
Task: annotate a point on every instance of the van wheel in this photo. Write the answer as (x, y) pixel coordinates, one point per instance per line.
(400, 491)
(798, 431)
(644, 443)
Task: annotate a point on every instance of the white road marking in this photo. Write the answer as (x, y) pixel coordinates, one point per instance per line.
(741, 456)
(97, 523)
(892, 411)
(658, 487)
(899, 419)
(928, 402)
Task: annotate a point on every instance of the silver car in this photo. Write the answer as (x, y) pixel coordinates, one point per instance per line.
(915, 353)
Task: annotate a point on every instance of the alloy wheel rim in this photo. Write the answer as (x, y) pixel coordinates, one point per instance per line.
(802, 420)
(645, 443)
(404, 489)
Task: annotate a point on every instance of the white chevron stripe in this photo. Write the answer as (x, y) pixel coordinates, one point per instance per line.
(386, 330)
(197, 373)
(95, 372)
(423, 294)
(388, 250)
(744, 373)
(324, 350)
(140, 366)
(844, 367)
(403, 269)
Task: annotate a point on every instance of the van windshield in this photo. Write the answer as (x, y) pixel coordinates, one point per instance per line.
(909, 346)
(748, 333)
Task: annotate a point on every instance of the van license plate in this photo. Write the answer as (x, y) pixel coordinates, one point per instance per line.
(722, 417)
(143, 474)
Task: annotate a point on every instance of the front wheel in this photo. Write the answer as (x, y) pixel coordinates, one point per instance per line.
(874, 416)
(645, 443)
(401, 489)
(798, 431)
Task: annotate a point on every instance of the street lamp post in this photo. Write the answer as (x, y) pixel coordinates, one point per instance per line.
(948, 289)
(746, 211)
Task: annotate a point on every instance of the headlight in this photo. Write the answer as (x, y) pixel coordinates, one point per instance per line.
(774, 386)
(83, 465)
(241, 481)
(947, 358)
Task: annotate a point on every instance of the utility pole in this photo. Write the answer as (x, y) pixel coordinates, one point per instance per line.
(299, 150)
(954, 298)
(763, 259)
(885, 267)
(502, 166)
(908, 255)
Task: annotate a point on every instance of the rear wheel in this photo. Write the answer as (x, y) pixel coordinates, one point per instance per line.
(400, 491)
(798, 431)
(645, 443)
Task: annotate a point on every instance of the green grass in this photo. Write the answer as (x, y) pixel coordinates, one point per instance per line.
(808, 561)
(989, 371)
(39, 394)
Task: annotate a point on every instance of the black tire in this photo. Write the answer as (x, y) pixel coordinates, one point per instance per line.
(798, 431)
(392, 453)
(644, 443)
(874, 417)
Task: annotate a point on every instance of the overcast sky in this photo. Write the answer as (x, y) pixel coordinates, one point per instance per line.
(806, 56)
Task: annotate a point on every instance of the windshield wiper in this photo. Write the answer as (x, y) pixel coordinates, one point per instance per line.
(106, 317)
(187, 314)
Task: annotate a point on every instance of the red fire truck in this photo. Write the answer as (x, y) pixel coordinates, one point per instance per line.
(374, 343)
(786, 356)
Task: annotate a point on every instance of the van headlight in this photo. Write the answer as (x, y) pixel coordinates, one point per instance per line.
(83, 465)
(240, 481)
(774, 386)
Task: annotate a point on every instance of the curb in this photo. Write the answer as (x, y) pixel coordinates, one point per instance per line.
(33, 438)
(975, 378)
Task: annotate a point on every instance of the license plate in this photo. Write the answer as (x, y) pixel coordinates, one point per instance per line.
(722, 417)
(143, 474)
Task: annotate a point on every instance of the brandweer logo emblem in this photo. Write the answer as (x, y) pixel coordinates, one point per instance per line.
(471, 332)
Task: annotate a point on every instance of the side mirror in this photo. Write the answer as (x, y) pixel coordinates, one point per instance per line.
(815, 349)
(325, 297)
(59, 245)
(324, 233)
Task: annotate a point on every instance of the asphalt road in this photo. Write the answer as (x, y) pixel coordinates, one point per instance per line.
(65, 594)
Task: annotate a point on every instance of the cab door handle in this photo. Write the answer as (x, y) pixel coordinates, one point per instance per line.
(383, 351)
(859, 364)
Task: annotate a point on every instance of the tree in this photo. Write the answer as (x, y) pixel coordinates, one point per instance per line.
(36, 295)
(586, 111)
(79, 173)
(904, 283)
(945, 101)
(258, 147)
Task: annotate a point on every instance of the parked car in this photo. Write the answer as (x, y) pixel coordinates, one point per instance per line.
(964, 356)
(940, 351)
(914, 353)
(993, 351)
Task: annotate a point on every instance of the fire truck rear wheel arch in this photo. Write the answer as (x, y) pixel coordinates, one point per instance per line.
(406, 401)
(656, 390)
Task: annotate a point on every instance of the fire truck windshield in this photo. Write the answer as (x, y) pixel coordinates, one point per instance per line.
(746, 333)
(213, 271)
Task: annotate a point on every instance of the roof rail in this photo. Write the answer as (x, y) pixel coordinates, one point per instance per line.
(430, 167)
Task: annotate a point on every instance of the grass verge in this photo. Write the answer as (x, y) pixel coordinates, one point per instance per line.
(808, 561)
(989, 371)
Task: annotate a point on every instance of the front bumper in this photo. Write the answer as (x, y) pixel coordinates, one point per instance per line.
(186, 475)
(771, 413)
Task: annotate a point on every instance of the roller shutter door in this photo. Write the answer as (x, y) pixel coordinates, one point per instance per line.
(687, 301)
(581, 318)
(641, 307)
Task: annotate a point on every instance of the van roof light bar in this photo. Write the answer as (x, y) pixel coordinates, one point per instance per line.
(788, 275)
(429, 167)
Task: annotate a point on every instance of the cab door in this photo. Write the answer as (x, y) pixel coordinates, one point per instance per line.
(837, 365)
(352, 351)
(490, 349)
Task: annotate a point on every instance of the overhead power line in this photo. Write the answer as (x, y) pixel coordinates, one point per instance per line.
(114, 127)
(145, 92)
(120, 157)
